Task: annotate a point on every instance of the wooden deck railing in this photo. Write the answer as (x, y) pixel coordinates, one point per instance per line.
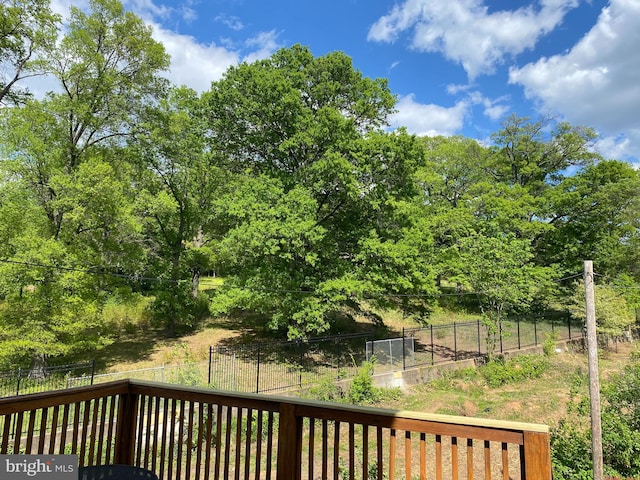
(195, 433)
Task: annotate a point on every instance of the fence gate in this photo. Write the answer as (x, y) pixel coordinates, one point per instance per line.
(392, 353)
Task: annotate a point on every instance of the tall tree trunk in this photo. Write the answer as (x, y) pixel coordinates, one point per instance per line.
(198, 241)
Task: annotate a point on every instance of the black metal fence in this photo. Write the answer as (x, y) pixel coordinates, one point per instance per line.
(268, 367)
(32, 380)
(458, 341)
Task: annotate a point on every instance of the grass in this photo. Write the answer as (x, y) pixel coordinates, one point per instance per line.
(465, 393)
(539, 400)
(210, 283)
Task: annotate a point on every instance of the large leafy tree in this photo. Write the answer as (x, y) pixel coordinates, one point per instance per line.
(595, 215)
(536, 154)
(307, 130)
(500, 271)
(178, 180)
(28, 29)
(65, 152)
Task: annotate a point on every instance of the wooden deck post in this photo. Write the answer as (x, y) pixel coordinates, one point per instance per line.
(536, 456)
(126, 428)
(289, 443)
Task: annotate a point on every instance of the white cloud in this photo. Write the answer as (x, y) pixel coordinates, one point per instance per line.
(464, 31)
(194, 64)
(596, 82)
(431, 120)
(264, 45)
(234, 23)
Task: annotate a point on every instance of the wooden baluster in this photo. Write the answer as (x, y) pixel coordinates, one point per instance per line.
(208, 444)
(64, 427)
(454, 458)
(365, 452)
(269, 446)
(199, 440)
(53, 432)
(423, 456)
(6, 430)
(325, 441)
(392, 454)
(407, 454)
(157, 433)
(227, 449)
(469, 459)
(94, 433)
(438, 457)
(352, 454)
(218, 441)
(312, 431)
(259, 444)
(487, 459)
(247, 449)
(17, 439)
(379, 446)
(163, 439)
(102, 422)
(189, 440)
(336, 449)
(30, 430)
(180, 439)
(505, 461)
(43, 429)
(113, 406)
(172, 435)
(238, 443)
(146, 442)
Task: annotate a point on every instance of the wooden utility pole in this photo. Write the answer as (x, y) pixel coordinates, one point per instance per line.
(594, 379)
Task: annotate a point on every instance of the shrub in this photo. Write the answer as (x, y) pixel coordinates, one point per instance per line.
(362, 389)
(549, 344)
(499, 371)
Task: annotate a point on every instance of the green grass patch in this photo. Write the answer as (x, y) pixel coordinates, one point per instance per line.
(210, 283)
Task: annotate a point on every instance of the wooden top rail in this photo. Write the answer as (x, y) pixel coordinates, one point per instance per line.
(33, 401)
(139, 415)
(463, 427)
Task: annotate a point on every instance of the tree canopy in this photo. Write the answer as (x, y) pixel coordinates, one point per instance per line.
(284, 179)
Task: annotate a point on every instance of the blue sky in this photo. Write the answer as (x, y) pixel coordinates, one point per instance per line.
(457, 66)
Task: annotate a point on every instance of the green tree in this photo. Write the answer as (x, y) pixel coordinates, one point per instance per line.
(66, 153)
(28, 29)
(536, 154)
(304, 133)
(178, 179)
(501, 272)
(613, 314)
(595, 215)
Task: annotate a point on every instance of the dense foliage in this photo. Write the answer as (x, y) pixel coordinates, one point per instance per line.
(283, 179)
(571, 440)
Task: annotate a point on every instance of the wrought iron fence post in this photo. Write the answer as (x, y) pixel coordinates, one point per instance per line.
(210, 359)
(479, 343)
(300, 361)
(432, 362)
(18, 385)
(93, 370)
(258, 371)
(455, 342)
(404, 355)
